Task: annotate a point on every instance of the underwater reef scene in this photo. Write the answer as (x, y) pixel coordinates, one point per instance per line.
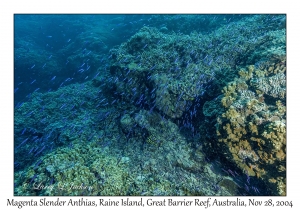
(150, 105)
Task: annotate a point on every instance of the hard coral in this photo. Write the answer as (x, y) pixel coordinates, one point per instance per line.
(251, 131)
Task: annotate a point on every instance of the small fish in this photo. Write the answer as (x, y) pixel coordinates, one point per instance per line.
(102, 100)
(40, 150)
(49, 36)
(23, 142)
(51, 181)
(152, 67)
(256, 190)
(37, 164)
(23, 131)
(30, 150)
(33, 81)
(248, 179)
(246, 188)
(32, 66)
(29, 113)
(62, 106)
(53, 78)
(44, 65)
(20, 105)
(69, 40)
(96, 75)
(33, 178)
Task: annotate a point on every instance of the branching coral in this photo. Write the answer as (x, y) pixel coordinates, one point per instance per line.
(252, 130)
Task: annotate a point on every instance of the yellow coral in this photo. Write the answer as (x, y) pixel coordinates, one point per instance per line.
(253, 128)
(247, 74)
(249, 116)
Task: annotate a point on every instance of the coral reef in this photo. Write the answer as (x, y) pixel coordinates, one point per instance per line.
(251, 132)
(151, 105)
(146, 66)
(166, 165)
